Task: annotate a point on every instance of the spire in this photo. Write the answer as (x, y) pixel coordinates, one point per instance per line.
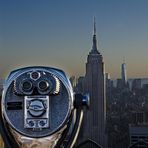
(94, 25)
(94, 47)
(123, 59)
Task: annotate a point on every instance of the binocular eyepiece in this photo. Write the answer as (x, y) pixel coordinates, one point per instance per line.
(37, 109)
(38, 83)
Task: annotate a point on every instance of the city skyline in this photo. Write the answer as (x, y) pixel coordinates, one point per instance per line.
(60, 34)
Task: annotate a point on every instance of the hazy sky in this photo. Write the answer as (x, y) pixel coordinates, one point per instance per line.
(59, 33)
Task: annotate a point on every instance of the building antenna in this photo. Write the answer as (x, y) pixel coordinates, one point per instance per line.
(124, 59)
(94, 25)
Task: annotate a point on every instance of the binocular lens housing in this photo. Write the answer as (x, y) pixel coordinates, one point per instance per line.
(37, 101)
(26, 85)
(43, 85)
(35, 75)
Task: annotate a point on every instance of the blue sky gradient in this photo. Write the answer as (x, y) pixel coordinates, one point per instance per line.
(59, 33)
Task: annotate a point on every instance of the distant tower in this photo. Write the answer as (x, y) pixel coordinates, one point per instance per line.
(123, 73)
(94, 119)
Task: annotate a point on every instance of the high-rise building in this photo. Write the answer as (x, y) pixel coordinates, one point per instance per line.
(123, 74)
(109, 86)
(138, 136)
(80, 85)
(136, 84)
(119, 84)
(95, 118)
(73, 81)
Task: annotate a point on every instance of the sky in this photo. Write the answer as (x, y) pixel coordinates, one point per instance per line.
(58, 33)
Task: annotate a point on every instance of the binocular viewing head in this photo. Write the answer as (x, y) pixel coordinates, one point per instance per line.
(37, 108)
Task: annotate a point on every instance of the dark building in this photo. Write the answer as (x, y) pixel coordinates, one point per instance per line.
(73, 81)
(109, 86)
(80, 85)
(138, 136)
(136, 84)
(119, 84)
(138, 118)
(145, 88)
(123, 74)
(95, 118)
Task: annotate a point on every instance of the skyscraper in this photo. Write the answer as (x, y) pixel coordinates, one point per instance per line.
(94, 121)
(123, 74)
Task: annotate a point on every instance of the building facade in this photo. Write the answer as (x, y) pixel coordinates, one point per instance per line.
(95, 118)
(123, 74)
(138, 136)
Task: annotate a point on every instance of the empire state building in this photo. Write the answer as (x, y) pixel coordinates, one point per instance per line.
(95, 118)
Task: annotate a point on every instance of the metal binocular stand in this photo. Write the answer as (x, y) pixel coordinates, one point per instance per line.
(40, 110)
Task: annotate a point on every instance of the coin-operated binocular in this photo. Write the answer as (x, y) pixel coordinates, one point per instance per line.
(38, 108)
